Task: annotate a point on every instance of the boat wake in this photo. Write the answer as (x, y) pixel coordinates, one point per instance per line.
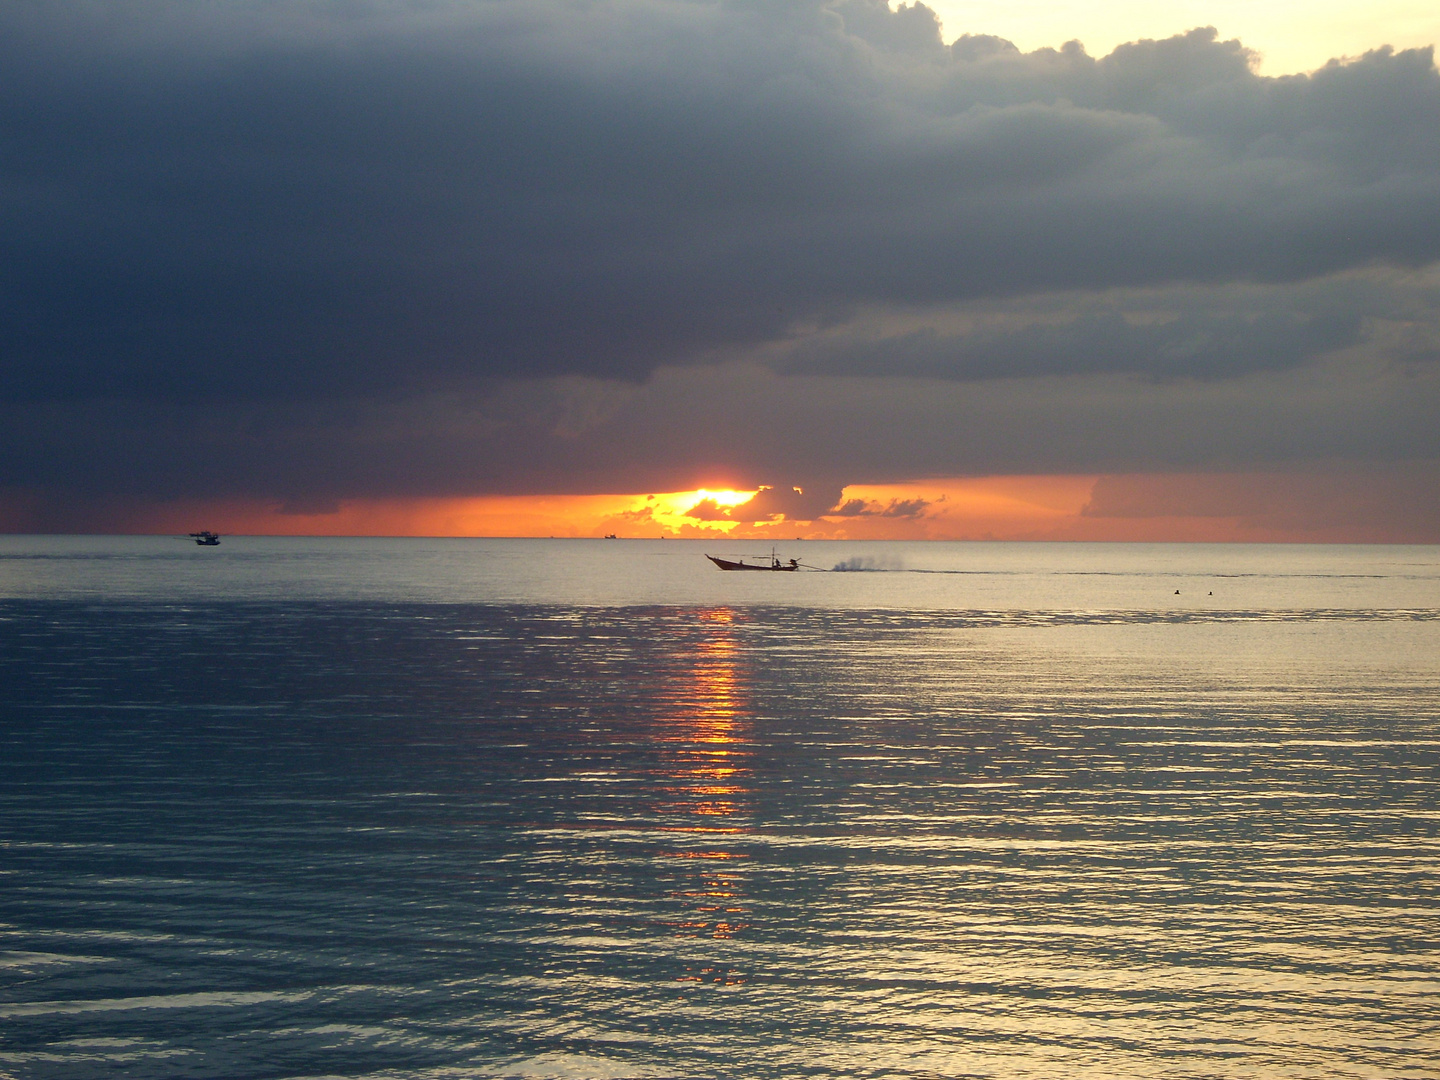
(864, 564)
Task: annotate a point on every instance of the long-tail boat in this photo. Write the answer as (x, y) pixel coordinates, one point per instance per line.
(773, 563)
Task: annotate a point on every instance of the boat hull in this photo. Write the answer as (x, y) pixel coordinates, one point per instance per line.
(727, 564)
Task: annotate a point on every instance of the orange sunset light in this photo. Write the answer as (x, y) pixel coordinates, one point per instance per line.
(633, 515)
(1037, 507)
(936, 509)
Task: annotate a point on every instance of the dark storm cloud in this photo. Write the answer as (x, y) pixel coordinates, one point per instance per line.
(1193, 345)
(309, 201)
(1189, 331)
(726, 426)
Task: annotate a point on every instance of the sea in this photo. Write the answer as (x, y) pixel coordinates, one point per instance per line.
(451, 808)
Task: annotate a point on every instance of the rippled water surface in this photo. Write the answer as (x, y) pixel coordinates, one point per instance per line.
(532, 809)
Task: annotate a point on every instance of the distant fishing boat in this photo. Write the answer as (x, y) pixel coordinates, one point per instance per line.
(772, 564)
(205, 538)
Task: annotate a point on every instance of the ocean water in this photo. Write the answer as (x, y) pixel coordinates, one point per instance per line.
(476, 808)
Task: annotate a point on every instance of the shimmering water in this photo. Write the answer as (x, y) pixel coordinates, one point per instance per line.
(532, 809)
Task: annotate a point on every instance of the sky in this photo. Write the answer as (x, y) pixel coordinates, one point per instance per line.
(1288, 37)
(766, 269)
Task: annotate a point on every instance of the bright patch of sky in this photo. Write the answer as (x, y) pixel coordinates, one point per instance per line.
(1290, 37)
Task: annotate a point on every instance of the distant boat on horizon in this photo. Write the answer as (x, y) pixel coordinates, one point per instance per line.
(206, 538)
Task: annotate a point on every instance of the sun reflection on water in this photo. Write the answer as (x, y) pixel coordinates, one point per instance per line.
(705, 736)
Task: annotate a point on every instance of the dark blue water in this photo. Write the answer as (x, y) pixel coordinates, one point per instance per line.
(358, 838)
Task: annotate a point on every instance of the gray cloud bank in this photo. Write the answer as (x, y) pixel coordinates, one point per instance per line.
(285, 199)
(372, 225)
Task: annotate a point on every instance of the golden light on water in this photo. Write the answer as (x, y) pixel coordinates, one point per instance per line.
(704, 729)
(704, 734)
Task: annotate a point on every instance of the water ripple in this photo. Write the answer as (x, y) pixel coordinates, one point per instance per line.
(377, 840)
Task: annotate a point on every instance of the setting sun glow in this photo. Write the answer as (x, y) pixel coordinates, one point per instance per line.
(1209, 508)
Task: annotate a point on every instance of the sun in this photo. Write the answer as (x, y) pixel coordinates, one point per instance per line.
(679, 503)
(672, 508)
(720, 498)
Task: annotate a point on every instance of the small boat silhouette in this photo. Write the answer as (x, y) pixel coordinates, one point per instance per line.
(206, 538)
(773, 563)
